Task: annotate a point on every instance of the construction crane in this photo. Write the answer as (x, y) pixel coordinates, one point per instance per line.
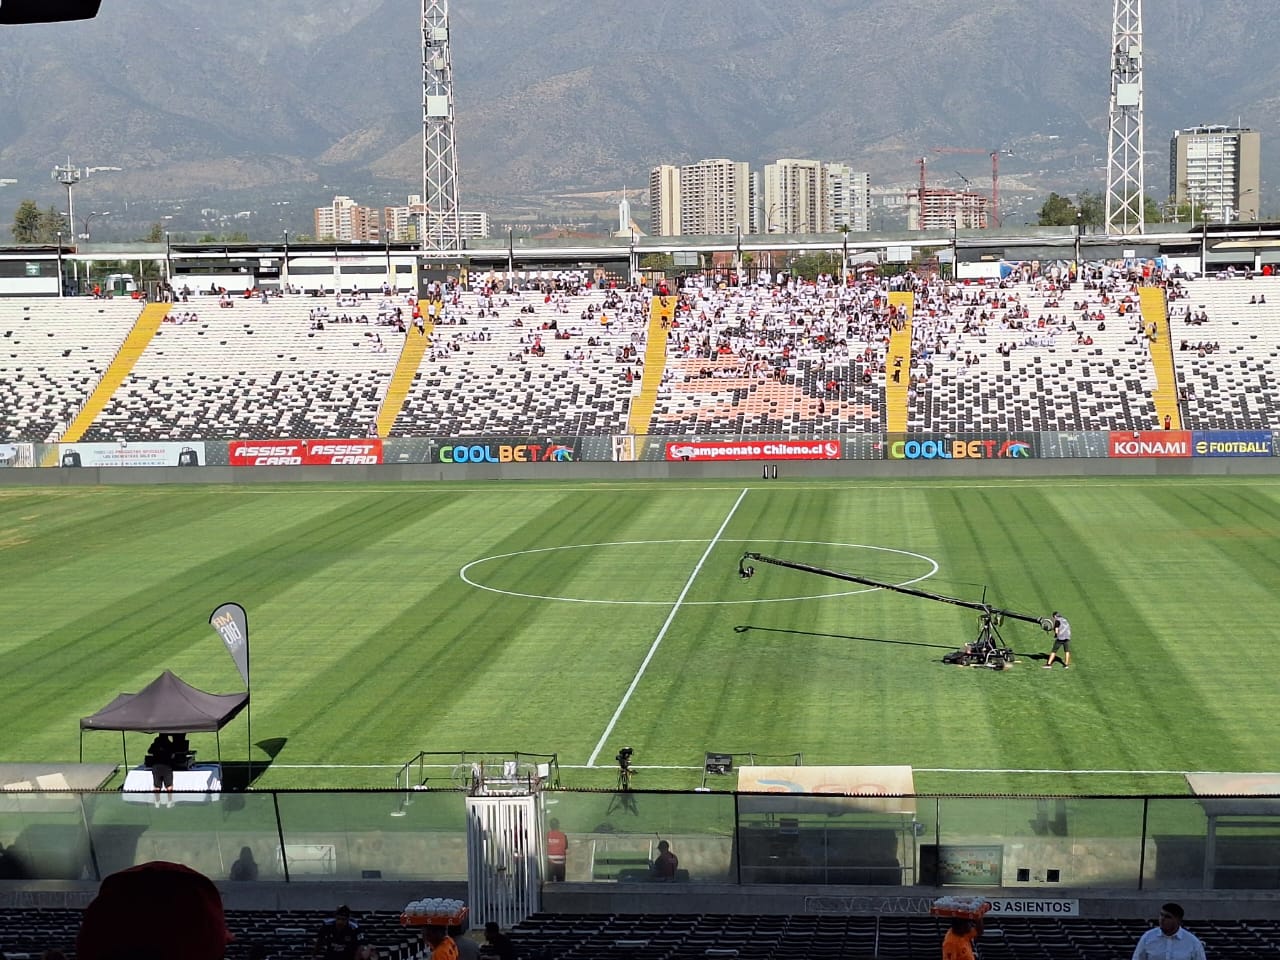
(995, 173)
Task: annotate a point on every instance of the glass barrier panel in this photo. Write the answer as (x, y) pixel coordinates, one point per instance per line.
(1035, 842)
(43, 837)
(208, 832)
(1213, 843)
(807, 839)
(614, 837)
(384, 835)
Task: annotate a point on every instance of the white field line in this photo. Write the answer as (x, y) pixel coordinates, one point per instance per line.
(659, 766)
(653, 648)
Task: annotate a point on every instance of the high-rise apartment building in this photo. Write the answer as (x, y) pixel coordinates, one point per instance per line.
(664, 201)
(1218, 170)
(723, 196)
(404, 224)
(715, 198)
(346, 221)
(848, 198)
(793, 196)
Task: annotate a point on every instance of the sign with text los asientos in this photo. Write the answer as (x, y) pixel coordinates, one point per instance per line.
(303, 453)
(1149, 443)
(756, 450)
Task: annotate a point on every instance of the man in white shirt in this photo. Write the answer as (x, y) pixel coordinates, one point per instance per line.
(1170, 940)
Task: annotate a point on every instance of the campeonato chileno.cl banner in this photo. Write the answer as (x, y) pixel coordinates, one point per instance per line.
(763, 450)
(303, 453)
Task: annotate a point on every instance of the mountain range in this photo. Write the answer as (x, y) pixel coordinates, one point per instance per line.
(246, 105)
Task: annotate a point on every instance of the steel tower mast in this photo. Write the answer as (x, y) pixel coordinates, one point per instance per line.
(441, 226)
(1125, 198)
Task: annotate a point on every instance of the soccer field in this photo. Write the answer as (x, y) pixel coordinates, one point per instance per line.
(576, 618)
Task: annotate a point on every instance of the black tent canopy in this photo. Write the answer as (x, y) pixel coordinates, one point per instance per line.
(168, 704)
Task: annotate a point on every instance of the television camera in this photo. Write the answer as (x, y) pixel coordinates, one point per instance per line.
(624, 768)
(988, 650)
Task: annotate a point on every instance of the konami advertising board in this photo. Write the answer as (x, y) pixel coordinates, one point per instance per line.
(303, 453)
(762, 450)
(1149, 443)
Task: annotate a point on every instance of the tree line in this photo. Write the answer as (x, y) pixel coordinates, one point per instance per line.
(1089, 210)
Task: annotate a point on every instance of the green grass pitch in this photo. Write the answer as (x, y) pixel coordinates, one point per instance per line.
(580, 617)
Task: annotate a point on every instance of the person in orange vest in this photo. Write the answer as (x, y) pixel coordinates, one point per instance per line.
(557, 851)
(443, 946)
(958, 943)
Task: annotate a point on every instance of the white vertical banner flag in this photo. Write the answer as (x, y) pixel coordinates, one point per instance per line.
(232, 624)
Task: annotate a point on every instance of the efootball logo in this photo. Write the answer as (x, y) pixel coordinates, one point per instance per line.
(561, 454)
(1016, 449)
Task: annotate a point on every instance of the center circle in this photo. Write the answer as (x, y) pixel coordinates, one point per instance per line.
(465, 573)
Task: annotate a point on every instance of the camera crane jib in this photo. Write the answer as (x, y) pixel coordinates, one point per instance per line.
(989, 650)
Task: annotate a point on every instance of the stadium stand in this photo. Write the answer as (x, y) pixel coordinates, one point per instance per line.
(1029, 355)
(765, 360)
(597, 937)
(279, 934)
(1227, 353)
(803, 360)
(263, 369)
(52, 355)
(529, 362)
(638, 936)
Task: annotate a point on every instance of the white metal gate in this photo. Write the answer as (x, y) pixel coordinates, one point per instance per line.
(504, 859)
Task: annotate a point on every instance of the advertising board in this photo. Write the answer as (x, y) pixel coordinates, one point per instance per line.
(17, 455)
(159, 453)
(1232, 443)
(1007, 446)
(755, 450)
(1149, 443)
(304, 453)
(509, 451)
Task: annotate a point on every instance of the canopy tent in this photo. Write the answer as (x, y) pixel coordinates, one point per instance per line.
(168, 704)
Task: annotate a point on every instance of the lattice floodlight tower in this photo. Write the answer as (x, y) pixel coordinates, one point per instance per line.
(1125, 200)
(440, 230)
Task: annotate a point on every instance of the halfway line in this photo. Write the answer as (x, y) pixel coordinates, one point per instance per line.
(635, 682)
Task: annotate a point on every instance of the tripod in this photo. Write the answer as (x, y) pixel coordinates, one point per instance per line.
(623, 799)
